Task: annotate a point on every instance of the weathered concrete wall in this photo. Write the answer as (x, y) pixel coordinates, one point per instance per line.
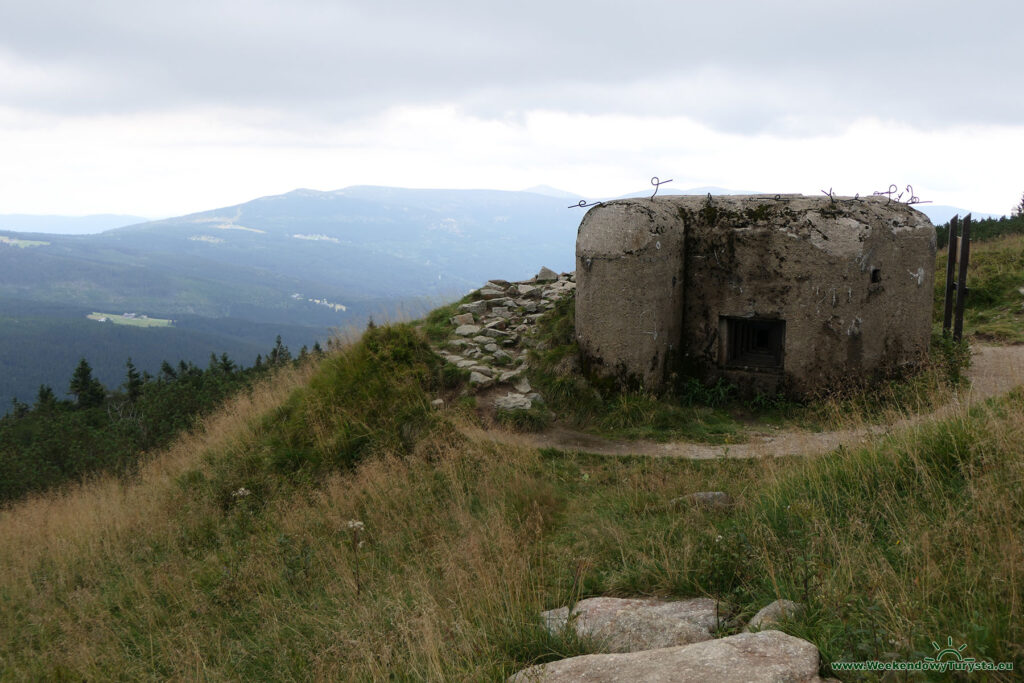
(851, 279)
(629, 290)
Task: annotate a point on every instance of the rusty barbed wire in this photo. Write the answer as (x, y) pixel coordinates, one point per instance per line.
(658, 183)
(909, 190)
(893, 193)
(835, 198)
(583, 203)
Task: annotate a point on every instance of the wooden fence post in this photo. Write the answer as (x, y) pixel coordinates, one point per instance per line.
(961, 285)
(947, 314)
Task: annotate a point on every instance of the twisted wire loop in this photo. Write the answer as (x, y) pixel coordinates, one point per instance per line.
(887, 193)
(894, 190)
(658, 183)
(914, 199)
(583, 204)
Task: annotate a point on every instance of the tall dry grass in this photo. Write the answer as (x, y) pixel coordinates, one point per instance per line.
(915, 537)
(106, 510)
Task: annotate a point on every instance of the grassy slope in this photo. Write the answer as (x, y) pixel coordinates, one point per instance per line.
(230, 556)
(714, 414)
(994, 308)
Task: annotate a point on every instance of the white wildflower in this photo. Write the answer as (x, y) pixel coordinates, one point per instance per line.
(241, 493)
(355, 525)
(718, 539)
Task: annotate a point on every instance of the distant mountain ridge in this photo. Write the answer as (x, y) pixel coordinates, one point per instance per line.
(424, 242)
(66, 225)
(302, 262)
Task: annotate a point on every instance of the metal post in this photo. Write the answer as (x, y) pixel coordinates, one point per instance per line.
(947, 315)
(961, 284)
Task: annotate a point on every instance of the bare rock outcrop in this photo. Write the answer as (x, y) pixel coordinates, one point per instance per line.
(631, 624)
(766, 656)
(773, 613)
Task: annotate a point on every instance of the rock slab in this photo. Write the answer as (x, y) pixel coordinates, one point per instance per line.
(546, 275)
(774, 613)
(766, 656)
(631, 624)
(512, 402)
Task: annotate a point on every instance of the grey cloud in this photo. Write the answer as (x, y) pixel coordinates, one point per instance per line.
(744, 66)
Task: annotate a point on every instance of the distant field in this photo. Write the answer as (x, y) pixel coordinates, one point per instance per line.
(15, 242)
(134, 322)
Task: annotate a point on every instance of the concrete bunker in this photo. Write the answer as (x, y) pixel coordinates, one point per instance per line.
(772, 293)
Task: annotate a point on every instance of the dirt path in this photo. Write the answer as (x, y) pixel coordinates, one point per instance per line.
(995, 370)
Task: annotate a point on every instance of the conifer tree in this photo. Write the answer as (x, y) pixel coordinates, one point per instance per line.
(133, 381)
(86, 389)
(167, 372)
(279, 355)
(46, 400)
(19, 409)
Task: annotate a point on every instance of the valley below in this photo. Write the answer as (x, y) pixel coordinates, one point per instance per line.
(304, 265)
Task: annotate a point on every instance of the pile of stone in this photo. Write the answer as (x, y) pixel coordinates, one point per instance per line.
(652, 640)
(491, 334)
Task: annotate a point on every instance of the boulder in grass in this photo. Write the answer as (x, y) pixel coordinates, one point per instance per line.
(631, 624)
(764, 657)
(773, 613)
(512, 402)
(480, 381)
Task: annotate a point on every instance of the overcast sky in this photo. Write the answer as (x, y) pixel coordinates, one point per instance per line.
(157, 109)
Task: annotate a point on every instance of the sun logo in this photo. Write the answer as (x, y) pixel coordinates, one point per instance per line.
(948, 651)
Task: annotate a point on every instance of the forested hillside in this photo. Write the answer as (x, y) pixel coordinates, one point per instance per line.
(42, 343)
(50, 440)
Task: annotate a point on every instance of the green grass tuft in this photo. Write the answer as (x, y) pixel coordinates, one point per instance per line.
(994, 307)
